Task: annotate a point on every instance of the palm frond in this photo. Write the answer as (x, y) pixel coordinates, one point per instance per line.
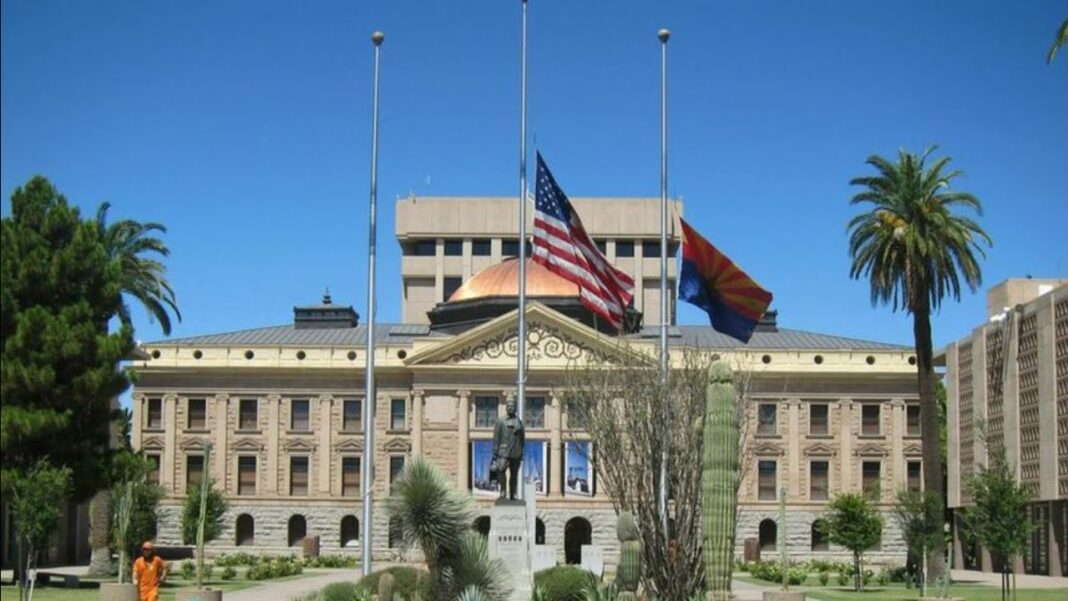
(1059, 39)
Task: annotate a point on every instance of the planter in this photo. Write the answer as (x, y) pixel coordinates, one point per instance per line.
(113, 591)
(202, 595)
(781, 596)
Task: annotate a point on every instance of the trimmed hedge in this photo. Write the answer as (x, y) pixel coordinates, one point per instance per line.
(407, 581)
(563, 583)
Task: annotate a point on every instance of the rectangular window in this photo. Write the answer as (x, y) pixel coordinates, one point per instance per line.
(194, 470)
(153, 470)
(912, 420)
(819, 481)
(397, 417)
(624, 248)
(421, 248)
(510, 248)
(766, 474)
(350, 476)
(480, 248)
(300, 419)
(871, 472)
(198, 414)
(817, 419)
(396, 466)
(246, 475)
(154, 418)
(535, 412)
(602, 245)
(450, 285)
(351, 418)
(767, 414)
(248, 414)
(298, 476)
(869, 420)
(651, 249)
(485, 411)
(915, 476)
(454, 248)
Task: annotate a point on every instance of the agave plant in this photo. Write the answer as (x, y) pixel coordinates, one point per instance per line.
(472, 567)
(430, 514)
(472, 593)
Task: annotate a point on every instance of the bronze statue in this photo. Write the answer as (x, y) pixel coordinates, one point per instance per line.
(509, 439)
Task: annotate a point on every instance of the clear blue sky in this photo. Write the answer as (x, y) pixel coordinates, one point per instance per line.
(245, 129)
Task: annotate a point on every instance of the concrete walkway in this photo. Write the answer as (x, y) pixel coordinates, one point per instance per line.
(312, 581)
(1022, 580)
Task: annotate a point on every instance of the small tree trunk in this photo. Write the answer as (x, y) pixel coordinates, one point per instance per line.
(99, 534)
(856, 571)
(930, 431)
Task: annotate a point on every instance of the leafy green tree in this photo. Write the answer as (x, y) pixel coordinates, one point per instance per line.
(37, 497)
(58, 369)
(913, 511)
(213, 517)
(915, 251)
(999, 517)
(1059, 39)
(851, 521)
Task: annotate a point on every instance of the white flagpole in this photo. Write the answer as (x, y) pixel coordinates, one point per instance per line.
(663, 34)
(369, 392)
(521, 376)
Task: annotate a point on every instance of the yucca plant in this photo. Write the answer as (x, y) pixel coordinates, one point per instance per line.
(430, 513)
(471, 566)
(473, 593)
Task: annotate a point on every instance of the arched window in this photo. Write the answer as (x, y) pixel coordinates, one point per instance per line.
(350, 531)
(245, 531)
(819, 536)
(395, 533)
(577, 532)
(482, 525)
(539, 531)
(297, 530)
(769, 533)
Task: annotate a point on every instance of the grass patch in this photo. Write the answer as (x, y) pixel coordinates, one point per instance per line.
(90, 590)
(898, 592)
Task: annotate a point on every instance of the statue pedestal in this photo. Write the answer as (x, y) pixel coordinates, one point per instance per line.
(511, 539)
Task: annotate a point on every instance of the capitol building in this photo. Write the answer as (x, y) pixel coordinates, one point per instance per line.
(281, 406)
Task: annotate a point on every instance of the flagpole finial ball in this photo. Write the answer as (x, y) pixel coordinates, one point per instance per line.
(664, 34)
(377, 38)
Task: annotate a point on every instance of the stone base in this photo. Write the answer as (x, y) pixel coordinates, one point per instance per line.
(202, 595)
(113, 591)
(510, 540)
(781, 596)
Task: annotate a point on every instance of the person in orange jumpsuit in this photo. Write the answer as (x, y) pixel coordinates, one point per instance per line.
(149, 572)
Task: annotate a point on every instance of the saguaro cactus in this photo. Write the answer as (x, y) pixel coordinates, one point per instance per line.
(719, 481)
(630, 557)
(385, 587)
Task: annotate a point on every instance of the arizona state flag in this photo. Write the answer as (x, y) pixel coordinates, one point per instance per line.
(733, 301)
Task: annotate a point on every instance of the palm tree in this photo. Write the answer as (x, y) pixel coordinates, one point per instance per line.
(131, 244)
(915, 251)
(1058, 40)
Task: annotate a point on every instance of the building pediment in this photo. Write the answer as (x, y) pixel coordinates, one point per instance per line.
(912, 449)
(765, 449)
(194, 443)
(871, 450)
(349, 446)
(298, 446)
(247, 444)
(820, 450)
(398, 445)
(553, 340)
(152, 443)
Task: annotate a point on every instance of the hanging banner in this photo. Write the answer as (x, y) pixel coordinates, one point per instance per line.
(578, 469)
(481, 457)
(534, 463)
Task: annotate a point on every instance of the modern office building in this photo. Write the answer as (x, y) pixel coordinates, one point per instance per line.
(1009, 378)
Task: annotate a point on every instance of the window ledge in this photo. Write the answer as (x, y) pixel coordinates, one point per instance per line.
(768, 435)
(298, 432)
(153, 430)
(248, 432)
(821, 436)
(872, 436)
(398, 432)
(196, 431)
(350, 432)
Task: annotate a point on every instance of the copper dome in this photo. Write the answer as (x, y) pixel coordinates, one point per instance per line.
(502, 279)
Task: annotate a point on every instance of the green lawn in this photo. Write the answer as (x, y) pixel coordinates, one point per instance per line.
(898, 592)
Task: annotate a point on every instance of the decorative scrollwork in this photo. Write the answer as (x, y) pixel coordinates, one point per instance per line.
(543, 341)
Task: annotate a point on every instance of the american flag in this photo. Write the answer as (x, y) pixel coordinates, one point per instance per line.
(562, 246)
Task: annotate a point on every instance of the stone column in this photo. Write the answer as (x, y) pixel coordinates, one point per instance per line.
(1056, 524)
(417, 395)
(793, 451)
(556, 450)
(1047, 411)
(323, 453)
(897, 443)
(845, 441)
(1010, 401)
(463, 449)
(953, 425)
(271, 485)
(219, 456)
(958, 547)
(170, 446)
(138, 403)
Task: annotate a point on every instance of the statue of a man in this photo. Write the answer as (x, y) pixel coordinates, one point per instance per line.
(509, 438)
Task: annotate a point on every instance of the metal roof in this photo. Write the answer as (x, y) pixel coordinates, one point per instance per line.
(782, 339)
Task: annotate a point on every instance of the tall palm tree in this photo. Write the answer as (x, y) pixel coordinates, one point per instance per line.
(1060, 39)
(134, 247)
(916, 251)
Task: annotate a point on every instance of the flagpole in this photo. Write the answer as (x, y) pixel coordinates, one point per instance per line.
(369, 392)
(521, 376)
(663, 34)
